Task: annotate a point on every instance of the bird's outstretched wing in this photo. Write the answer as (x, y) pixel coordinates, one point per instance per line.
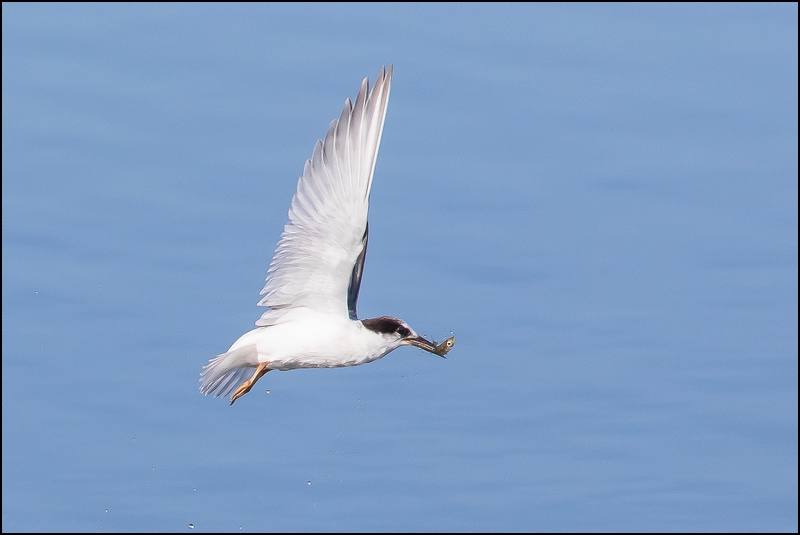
(320, 256)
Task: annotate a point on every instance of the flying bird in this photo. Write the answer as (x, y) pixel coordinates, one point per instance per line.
(313, 280)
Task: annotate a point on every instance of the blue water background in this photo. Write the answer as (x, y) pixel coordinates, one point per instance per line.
(600, 201)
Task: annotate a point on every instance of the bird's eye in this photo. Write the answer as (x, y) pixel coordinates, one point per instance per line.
(402, 331)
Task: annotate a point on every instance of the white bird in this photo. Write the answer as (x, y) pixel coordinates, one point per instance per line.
(313, 280)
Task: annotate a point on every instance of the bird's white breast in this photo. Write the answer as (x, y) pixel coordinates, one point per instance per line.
(308, 339)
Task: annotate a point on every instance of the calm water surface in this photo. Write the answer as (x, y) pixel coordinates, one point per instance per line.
(599, 201)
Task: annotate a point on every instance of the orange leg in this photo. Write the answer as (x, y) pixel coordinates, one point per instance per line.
(247, 385)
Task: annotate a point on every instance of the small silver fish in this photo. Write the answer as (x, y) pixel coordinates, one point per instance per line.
(443, 348)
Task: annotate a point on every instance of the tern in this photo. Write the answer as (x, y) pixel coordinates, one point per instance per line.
(313, 280)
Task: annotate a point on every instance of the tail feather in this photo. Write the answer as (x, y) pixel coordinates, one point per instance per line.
(224, 373)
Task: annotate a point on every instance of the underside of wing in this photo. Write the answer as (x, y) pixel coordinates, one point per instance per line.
(320, 256)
